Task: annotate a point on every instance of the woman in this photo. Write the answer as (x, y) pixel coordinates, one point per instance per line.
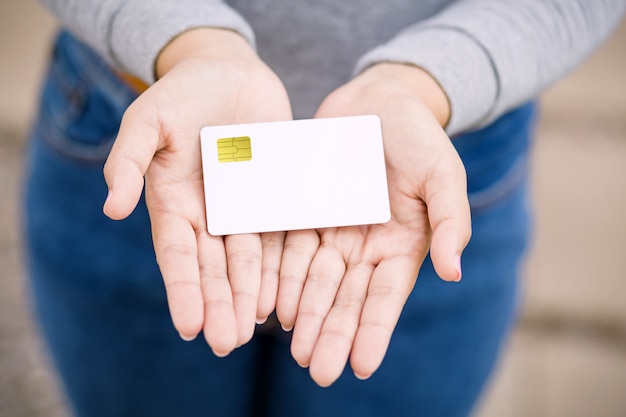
(431, 70)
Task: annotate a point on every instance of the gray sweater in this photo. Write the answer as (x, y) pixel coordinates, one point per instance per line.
(489, 55)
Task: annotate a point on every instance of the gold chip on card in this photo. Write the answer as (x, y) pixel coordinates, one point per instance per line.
(234, 149)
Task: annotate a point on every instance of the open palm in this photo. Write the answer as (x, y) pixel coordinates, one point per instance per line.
(353, 282)
(212, 283)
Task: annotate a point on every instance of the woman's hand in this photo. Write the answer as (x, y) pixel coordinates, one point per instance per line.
(344, 288)
(206, 77)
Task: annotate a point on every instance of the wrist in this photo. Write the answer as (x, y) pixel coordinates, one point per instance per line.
(211, 43)
(414, 81)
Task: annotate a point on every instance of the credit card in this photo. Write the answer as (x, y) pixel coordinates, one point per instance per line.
(301, 174)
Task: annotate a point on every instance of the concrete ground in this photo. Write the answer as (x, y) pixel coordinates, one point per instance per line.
(567, 356)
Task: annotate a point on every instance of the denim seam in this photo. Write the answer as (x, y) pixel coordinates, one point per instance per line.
(508, 182)
(90, 71)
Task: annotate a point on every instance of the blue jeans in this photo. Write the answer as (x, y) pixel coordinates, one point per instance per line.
(102, 307)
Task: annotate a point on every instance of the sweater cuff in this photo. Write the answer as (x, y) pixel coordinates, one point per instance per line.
(458, 62)
(141, 29)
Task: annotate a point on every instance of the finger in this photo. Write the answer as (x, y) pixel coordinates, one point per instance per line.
(450, 220)
(243, 254)
(336, 338)
(392, 282)
(220, 324)
(136, 143)
(272, 244)
(299, 250)
(176, 252)
(320, 289)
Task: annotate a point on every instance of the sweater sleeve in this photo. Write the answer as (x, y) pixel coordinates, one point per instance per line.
(492, 55)
(129, 34)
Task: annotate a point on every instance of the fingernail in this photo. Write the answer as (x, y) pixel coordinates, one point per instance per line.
(187, 338)
(457, 263)
(261, 320)
(285, 328)
(106, 201)
(361, 377)
(220, 355)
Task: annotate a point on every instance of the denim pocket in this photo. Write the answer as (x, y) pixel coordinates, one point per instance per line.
(82, 102)
(496, 157)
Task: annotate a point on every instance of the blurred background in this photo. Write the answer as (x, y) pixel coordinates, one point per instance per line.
(567, 355)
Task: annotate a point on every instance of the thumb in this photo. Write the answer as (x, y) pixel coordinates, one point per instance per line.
(450, 220)
(136, 143)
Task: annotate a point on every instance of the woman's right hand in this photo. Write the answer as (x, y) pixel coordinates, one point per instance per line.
(206, 77)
